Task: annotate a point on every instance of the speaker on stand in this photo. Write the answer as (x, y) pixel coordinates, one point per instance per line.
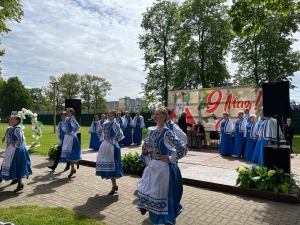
(276, 103)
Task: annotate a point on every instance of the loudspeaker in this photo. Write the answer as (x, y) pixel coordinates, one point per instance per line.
(276, 98)
(79, 137)
(75, 104)
(214, 135)
(277, 156)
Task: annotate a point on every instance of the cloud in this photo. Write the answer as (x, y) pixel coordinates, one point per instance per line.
(98, 37)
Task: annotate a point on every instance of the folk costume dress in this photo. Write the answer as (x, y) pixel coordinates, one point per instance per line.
(94, 141)
(108, 162)
(16, 161)
(138, 125)
(160, 188)
(120, 121)
(71, 149)
(127, 130)
(177, 131)
(256, 152)
(250, 135)
(225, 129)
(268, 134)
(239, 142)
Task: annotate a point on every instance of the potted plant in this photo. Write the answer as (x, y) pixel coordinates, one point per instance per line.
(52, 151)
(132, 162)
(262, 178)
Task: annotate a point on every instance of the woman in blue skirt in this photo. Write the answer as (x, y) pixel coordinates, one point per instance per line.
(256, 152)
(16, 162)
(71, 150)
(108, 163)
(160, 188)
(119, 119)
(225, 129)
(94, 141)
(239, 127)
(250, 135)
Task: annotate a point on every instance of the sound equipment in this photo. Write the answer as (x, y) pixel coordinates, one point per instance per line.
(276, 99)
(75, 104)
(277, 156)
(79, 137)
(214, 135)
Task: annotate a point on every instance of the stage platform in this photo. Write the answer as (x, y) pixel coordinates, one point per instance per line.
(206, 168)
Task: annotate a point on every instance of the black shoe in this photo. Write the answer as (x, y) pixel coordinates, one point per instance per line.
(19, 188)
(71, 174)
(13, 182)
(113, 190)
(78, 165)
(51, 167)
(67, 168)
(0, 179)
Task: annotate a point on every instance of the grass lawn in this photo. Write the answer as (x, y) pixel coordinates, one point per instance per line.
(35, 215)
(49, 137)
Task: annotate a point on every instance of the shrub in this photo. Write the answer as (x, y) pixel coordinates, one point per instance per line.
(52, 150)
(132, 161)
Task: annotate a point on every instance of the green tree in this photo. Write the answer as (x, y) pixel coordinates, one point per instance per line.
(69, 84)
(11, 10)
(39, 102)
(159, 22)
(14, 96)
(202, 42)
(92, 87)
(263, 44)
(48, 93)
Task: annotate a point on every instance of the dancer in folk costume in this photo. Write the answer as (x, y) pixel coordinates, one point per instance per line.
(256, 152)
(239, 127)
(225, 129)
(108, 164)
(268, 136)
(60, 134)
(175, 128)
(71, 150)
(250, 136)
(94, 141)
(246, 115)
(127, 129)
(146, 157)
(119, 119)
(16, 162)
(102, 120)
(138, 124)
(160, 188)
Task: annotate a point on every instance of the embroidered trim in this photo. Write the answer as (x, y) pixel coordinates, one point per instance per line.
(157, 206)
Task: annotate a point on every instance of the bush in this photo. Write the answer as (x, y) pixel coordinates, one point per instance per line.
(132, 161)
(52, 150)
(261, 178)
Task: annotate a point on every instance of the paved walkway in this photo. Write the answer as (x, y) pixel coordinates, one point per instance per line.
(88, 195)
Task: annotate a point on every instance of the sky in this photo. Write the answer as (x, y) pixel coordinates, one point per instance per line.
(97, 37)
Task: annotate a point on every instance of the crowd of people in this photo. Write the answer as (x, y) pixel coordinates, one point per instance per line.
(160, 187)
(247, 135)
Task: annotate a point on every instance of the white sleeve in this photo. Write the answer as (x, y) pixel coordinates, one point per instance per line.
(179, 133)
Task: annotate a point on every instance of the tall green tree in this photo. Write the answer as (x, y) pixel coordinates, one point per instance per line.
(263, 43)
(39, 102)
(14, 96)
(11, 10)
(159, 22)
(69, 84)
(48, 93)
(93, 88)
(202, 41)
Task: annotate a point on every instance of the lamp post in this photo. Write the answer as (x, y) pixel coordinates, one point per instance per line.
(54, 109)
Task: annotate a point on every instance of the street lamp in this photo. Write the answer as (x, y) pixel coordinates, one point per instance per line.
(54, 109)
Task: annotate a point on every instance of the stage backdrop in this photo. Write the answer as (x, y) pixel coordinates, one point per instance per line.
(209, 104)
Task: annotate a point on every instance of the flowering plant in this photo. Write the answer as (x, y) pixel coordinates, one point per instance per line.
(52, 150)
(261, 178)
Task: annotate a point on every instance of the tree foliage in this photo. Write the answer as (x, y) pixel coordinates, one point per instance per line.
(93, 91)
(39, 102)
(14, 96)
(263, 44)
(203, 40)
(11, 10)
(159, 22)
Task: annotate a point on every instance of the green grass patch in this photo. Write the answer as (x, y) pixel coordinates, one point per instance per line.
(49, 137)
(35, 215)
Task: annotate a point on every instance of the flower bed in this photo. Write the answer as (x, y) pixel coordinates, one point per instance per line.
(261, 178)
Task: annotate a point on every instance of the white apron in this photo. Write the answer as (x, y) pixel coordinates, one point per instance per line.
(7, 159)
(106, 157)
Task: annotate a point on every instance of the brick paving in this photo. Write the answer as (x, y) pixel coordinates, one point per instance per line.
(88, 195)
